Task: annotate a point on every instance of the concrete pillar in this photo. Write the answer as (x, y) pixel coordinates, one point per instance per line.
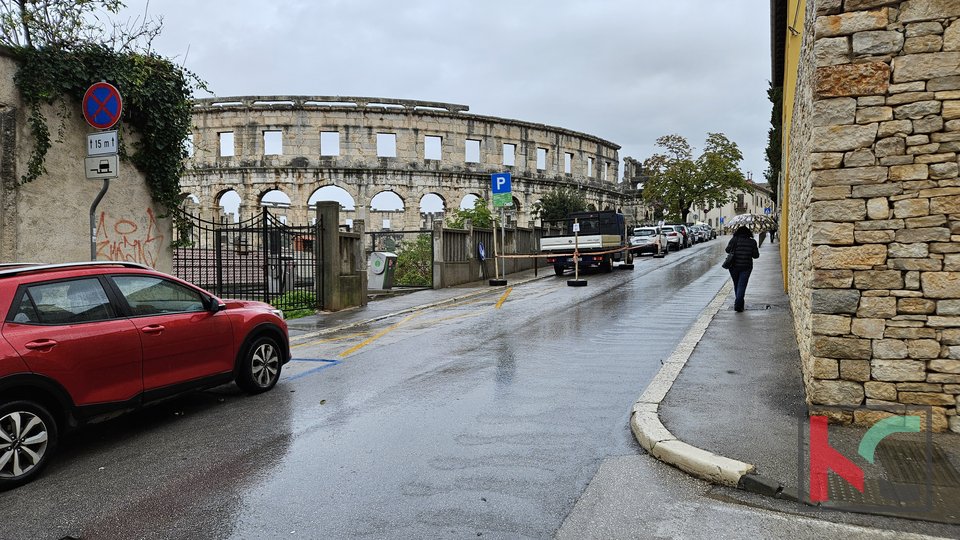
(359, 227)
(328, 262)
(438, 255)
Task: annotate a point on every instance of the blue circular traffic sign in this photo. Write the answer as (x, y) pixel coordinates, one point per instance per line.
(102, 105)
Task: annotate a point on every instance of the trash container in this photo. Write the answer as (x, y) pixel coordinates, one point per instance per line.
(380, 270)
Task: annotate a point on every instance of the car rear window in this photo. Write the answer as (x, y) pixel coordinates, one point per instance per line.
(667, 229)
(643, 232)
(63, 302)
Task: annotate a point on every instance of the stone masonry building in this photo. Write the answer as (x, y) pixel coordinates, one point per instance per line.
(371, 146)
(871, 202)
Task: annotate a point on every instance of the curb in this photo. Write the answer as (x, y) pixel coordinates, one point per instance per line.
(663, 445)
(296, 340)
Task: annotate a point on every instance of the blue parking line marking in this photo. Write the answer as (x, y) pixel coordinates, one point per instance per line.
(314, 360)
(327, 364)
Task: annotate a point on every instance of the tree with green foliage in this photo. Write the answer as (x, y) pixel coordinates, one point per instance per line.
(415, 262)
(677, 181)
(560, 203)
(479, 215)
(775, 139)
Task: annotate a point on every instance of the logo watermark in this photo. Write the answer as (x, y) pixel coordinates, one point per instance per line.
(887, 469)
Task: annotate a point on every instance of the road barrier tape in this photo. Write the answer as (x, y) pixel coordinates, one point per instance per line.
(576, 253)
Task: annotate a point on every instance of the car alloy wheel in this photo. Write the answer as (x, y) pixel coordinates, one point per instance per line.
(260, 369)
(27, 437)
(266, 364)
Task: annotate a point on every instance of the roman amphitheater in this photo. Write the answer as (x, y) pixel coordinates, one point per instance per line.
(393, 163)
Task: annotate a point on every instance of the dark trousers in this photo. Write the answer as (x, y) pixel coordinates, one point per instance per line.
(740, 278)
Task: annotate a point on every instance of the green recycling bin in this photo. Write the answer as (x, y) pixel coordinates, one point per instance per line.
(382, 265)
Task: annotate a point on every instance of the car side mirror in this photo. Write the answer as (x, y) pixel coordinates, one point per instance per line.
(214, 305)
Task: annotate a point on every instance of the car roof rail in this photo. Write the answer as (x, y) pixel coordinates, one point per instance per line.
(13, 269)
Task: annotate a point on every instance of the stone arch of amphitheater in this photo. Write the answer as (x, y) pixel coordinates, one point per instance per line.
(369, 146)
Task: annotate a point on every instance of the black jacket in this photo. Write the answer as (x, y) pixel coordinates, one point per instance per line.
(744, 249)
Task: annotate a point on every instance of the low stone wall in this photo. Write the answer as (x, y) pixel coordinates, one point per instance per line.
(877, 152)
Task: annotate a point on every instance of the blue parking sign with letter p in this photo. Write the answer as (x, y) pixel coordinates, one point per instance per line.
(500, 182)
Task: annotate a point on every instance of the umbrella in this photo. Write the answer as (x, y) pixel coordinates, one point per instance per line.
(754, 222)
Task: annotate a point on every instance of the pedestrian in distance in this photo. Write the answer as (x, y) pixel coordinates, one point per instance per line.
(773, 235)
(763, 236)
(744, 250)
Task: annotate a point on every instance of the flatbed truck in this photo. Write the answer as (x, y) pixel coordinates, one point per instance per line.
(601, 241)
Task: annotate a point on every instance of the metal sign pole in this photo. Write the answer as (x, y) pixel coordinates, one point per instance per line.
(496, 262)
(93, 219)
(500, 280)
(576, 252)
(503, 238)
(576, 281)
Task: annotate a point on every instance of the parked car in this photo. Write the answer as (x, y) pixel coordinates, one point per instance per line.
(648, 240)
(687, 241)
(699, 234)
(83, 341)
(675, 238)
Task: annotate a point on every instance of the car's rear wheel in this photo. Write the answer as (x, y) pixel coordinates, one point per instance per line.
(260, 366)
(558, 269)
(28, 437)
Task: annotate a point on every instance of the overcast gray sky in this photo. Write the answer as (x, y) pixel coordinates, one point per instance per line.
(628, 71)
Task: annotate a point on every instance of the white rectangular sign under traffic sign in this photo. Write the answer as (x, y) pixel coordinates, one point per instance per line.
(102, 143)
(100, 167)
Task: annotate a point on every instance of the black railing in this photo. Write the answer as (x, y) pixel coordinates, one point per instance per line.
(259, 258)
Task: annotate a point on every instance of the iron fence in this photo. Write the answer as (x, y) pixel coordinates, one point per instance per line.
(259, 258)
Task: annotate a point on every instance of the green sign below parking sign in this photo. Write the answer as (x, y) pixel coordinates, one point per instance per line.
(502, 193)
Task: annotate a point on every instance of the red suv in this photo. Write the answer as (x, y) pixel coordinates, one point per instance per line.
(80, 341)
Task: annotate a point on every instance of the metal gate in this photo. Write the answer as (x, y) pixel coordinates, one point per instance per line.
(259, 258)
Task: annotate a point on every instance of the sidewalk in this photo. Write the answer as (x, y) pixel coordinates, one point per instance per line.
(739, 406)
(402, 302)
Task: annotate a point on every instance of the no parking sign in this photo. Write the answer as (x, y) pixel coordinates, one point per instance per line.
(102, 105)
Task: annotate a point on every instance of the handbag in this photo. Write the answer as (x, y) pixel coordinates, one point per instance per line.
(728, 262)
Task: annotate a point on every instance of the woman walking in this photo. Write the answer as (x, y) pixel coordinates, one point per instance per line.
(744, 250)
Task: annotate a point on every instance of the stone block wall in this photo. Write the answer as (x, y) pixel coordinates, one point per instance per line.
(875, 207)
(801, 191)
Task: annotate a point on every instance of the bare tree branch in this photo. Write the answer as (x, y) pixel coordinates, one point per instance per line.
(69, 24)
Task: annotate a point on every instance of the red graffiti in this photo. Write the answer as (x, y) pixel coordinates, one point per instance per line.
(123, 241)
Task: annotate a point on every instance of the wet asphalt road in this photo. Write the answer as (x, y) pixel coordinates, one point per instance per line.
(470, 420)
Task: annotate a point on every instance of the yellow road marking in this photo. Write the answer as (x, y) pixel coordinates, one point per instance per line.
(375, 337)
(503, 298)
(327, 340)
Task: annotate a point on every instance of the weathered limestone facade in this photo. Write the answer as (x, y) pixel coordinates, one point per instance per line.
(874, 206)
(48, 220)
(303, 166)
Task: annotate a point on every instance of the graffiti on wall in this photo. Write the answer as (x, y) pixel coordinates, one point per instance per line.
(129, 240)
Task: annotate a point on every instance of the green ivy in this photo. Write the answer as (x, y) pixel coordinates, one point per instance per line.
(156, 103)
